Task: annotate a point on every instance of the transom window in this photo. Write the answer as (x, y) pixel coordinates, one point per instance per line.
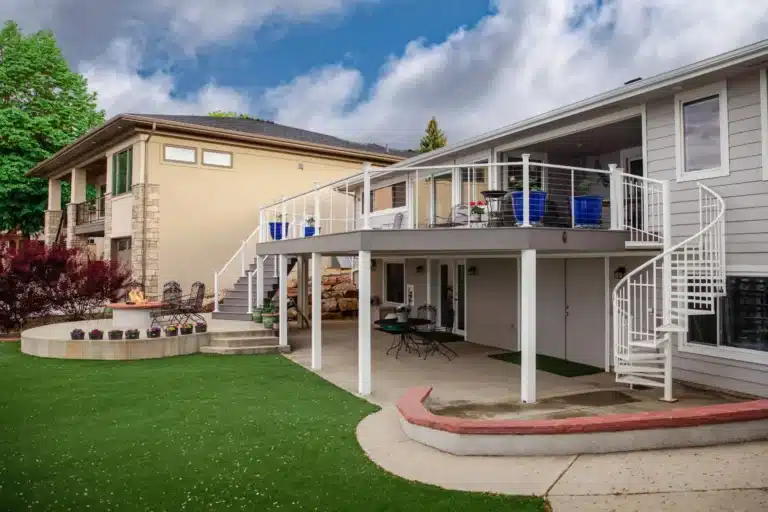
(122, 172)
(179, 154)
(386, 198)
(701, 120)
(394, 283)
(741, 320)
(217, 158)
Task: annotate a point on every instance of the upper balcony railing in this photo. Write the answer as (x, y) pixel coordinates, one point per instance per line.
(89, 211)
(520, 193)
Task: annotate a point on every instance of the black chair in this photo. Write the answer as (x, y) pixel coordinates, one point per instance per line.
(459, 216)
(427, 312)
(191, 306)
(170, 312)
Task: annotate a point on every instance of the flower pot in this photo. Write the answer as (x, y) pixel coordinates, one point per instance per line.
(95, 335)
(115, 335)
(77, 334)
(269, 320)
(201, 328)
(154, 333)
(256, 316)
(537, 202)
(477, 217)
(132, 334)
(309, 231)
(587, 211)
(402, 316)
(276, 229)
(187, 330)
(172, 332)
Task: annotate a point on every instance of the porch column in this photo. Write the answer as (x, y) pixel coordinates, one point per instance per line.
(259, 281)
(317, 313)
(53, 212)
(76, 196)
(364, 324)
(528, 326)
(429, 282)
(283, 294)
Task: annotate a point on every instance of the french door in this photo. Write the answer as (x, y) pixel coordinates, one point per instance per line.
(452, 292)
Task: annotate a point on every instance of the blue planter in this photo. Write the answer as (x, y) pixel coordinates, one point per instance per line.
(537, 201)
(587, 211)
(276, 230)
(309, 231)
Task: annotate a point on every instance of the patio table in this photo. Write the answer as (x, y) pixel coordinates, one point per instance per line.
(402, 332)
(493, 199)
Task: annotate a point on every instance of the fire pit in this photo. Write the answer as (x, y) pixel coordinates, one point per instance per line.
(134, 314)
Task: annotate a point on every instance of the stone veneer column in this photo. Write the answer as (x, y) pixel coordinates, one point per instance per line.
(107, 227)
(151, 236)
(71, 223)
(51, 224)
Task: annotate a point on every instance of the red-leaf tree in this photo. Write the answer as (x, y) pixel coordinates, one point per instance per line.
(87, 285)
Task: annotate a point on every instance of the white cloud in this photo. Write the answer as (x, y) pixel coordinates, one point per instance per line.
(527, 58)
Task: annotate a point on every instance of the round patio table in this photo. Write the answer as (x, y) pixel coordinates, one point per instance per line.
(493, 200)
(402, 332)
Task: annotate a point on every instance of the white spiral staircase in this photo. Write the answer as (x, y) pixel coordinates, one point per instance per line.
(652, 303)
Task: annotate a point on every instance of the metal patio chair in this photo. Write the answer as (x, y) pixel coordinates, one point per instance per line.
(459, 216)
(169, 313)
(191, 306)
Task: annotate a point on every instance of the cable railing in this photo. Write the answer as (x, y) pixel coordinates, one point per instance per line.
(519, 193)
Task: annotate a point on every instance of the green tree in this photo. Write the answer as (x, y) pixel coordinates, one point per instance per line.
(43, 107)
(225, 113)
(434, 137)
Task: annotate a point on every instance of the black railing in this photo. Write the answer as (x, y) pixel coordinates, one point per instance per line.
(90, 211)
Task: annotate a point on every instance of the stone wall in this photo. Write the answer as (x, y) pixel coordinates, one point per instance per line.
(339, 293)
(108, 226)
(148, 239)
(71, 223)
(52, 219)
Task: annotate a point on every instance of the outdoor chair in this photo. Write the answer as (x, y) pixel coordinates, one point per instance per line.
(191, 306)
(427, 312)
(397, 223)
(459, 216)
(170, 312)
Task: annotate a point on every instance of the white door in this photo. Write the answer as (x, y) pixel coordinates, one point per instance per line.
(550, 307)
(585, 311)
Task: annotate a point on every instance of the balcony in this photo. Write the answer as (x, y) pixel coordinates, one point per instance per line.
(89, 217)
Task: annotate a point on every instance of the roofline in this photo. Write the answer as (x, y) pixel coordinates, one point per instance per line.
(635, 89)
(137, 121)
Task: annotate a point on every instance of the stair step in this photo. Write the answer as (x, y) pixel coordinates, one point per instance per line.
(652, 343)
(241, 351)
(263, 341)
(639, 381)
(636, 369)
(231, 316)
(643, 245)
(258, 331)
(644, 356)
(671, 328)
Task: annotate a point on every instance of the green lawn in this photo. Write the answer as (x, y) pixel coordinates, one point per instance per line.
(194, 433)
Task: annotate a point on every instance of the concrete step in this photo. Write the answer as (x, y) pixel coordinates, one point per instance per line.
(258, 331)
(264, 341)
(231, 316)
(241, 351)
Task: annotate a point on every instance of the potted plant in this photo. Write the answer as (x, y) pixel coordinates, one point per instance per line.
(402, 313)
(132, 334)
(309, 227)
(587, 208)
(201, 327)
(256, 316)
(537, 201)
(187, 328)
(77, 334)
(276, 227)
(171, 330)
(477, 210)
(115, 334)
(153, 332)
(269, 316)
(96, 334)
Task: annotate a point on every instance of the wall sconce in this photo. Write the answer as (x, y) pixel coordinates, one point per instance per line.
(472, 270)
(373, 265)
(420, 269)
(619, 273)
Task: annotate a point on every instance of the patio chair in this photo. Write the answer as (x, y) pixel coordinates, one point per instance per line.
(191, 306)
(459, 216)
(397, 223)
(169, 313)
(427, 312)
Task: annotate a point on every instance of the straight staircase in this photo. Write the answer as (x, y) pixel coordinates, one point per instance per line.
(652, 304)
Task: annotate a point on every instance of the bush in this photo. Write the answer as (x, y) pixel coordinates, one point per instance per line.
(37, 280)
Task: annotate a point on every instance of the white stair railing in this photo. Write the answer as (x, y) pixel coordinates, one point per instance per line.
(227, 273)
(652, 303)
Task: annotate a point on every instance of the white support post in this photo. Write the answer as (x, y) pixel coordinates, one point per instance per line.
(263, 227)
(346, 207)
(317, 313)
(409, 193)
(242, 259)
(259, 281)
(364, 386)
(416, 201)
(607, 305)
(526, 190)
(215, 292)
(295, 220)
(528, 326)
(366, 195)
(283, 295)
(250, 292)
(667, 287)
(283, 224)
(617, 198)
(316, 216)
(429, 283)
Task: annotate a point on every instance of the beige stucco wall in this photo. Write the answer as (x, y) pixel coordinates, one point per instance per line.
(122, 208)
(207, 211)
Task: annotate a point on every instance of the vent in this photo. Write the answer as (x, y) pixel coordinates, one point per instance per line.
(633, 80)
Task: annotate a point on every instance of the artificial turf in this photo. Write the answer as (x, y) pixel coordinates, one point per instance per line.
(210, 433)
(551, 364)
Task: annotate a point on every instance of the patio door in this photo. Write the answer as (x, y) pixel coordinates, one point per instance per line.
(459, 298)
(512, 176)
(452, 296)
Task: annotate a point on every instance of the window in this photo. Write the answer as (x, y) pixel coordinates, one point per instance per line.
(741, 320)
(217, 158)
(477, 174)
(179, 154)
(385, 198)
(474, 181)
(394, 283)
(122, 172)
(701, 133)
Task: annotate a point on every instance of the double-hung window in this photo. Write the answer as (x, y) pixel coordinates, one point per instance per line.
(701, 133)
(122, 172)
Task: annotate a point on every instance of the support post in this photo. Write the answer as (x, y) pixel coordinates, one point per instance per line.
(215, 292)
(283, 295)
(259, 281)
(607, 304)
(283, 225)
(316, 216)
(317, 313)
(528, 327)
(617, 198)
(364, 324)
(667, 287)
(263, 226)
(526, 190)
(429, 283)
(366, 195)
(242, 258)
(250, 292)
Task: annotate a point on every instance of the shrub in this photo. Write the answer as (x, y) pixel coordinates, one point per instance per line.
(87, 285)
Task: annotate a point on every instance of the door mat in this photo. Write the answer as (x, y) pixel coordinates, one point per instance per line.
(552, 364)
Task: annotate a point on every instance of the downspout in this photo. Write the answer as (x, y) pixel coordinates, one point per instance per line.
(144, 209)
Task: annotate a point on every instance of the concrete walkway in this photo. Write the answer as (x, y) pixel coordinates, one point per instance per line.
(721, 478)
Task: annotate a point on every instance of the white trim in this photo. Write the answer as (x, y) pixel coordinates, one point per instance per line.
(721, 90)
(747, 270)
(764, 118)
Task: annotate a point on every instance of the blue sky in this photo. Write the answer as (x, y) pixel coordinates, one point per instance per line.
(378, 70)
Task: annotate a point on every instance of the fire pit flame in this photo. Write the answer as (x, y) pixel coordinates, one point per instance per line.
(136, 296)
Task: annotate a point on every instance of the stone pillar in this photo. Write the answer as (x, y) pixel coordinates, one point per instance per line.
(51, 224)
(146, 237)
(107, 227)
(71, 223)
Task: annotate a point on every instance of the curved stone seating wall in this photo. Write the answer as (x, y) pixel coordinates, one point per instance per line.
(676, 428)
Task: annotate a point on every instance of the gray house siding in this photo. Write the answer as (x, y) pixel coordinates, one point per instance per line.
(492, 303)
(746, 200)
